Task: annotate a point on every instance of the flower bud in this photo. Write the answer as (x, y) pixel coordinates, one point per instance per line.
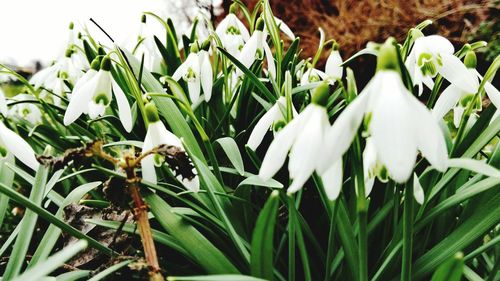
(106, 63)
(151, 113)
(321, 94)
(387, 56)
(470, 60)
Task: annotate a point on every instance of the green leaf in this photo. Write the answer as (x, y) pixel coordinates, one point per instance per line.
(473, 165)
(257, 181)
(53, 262)
(28, 224)
(198, 246)
(450, 270)
(109, 270)
(261, 262)
(73, 275)
(233, 153)
(7, 178)
(225, 277)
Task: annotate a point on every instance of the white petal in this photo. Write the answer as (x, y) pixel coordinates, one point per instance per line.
(446, 101)
(434, 44)
(369, 163)
(147, 163)
(96, 110)
(418, 191)
(332, 180)
(247, 55)
(124, 111)
(194, 90)
(263, 125)
(307, 146)
(458, 111)
(206, 76)
(18, 147)
(392, 127)
(181, 70)
(278, 150)
(80, 100)
(271, 67)
(192, 185)
(333, 66)
(457, 74)
(493, 94)
(340, 135)
(284, 28)
(430, 138)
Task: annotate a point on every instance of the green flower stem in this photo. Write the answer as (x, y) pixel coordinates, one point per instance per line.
(362, 210)
(407, 231)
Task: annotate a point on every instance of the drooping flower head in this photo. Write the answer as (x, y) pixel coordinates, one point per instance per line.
(397, 122)
(157, 135)
(232, 33)
(303, 137)
(96, 95)
(11, 143)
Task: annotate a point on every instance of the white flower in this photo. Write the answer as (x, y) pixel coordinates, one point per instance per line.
(232, 33)
(3, 103)
(312, 75)
(10, 142)
(333, 67)
(303, 137)
(152, 57)
(158, 135)
(434, 54)
(457, 99)
(26, 110)
(254, 49)
(284, 28)
(398, 123)
(95, 96)
(275, 114)
(196, 71)
(64, 68)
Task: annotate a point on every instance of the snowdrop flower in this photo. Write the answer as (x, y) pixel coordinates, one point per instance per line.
(433, 54)
(11, 143)
(398, 123)
(303, 137)
(333, 67)
(153, 59)
(157, 135)
(3, 103)
(457, 99)
(26, 110)
(64, 67)
(232, 33)
(312, 75)
(274, 115)
(255, 48)
(196, 71)
(95, 96)
(284, 28)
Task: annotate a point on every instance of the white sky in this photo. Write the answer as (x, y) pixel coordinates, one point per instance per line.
(38, 29)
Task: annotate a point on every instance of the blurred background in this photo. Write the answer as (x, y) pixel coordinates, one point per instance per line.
(34, 32)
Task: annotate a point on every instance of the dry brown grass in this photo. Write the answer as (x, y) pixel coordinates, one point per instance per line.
(354, 23)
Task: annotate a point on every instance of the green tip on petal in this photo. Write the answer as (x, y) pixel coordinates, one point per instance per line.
(102, 98)
(143, 18)
(233, 8)
(194, 48)
(151, 113)
(321, 94)
(388, 56)
(470, 60)
(106, 63)
(71, 25)
(96, 63)
(259, 25)
(3, 152)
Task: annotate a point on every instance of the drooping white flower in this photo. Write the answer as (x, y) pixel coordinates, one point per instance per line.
(275, 114)
(26, 109)
(197, 72)
(95, 96)
(284, 28)
(312, 75)
(153, 60)
(399, 124)
(157, 135)
(457, 99)
(232, 33)
(12, 143)
(433, 54)
(303, 137)
(63, 68)
(333, 67)
(255, 49)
